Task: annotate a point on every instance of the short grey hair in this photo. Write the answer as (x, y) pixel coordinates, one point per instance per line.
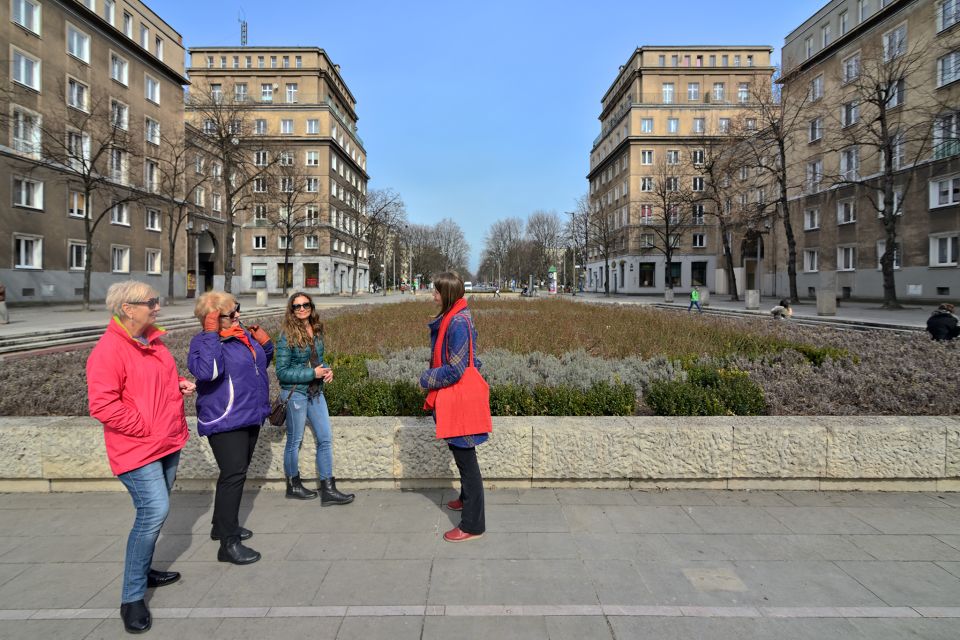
(128, 291)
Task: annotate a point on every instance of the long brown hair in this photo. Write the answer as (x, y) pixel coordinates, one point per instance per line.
(293, 328)
(450, 286)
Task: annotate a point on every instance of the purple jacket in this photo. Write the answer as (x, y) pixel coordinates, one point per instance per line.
(233, 390)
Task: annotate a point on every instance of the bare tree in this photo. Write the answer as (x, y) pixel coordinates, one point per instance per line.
(670, 196)
(544, 231)
(452, 244)
(501, 243)
(577, 231)
(381, 210)
(224, 121)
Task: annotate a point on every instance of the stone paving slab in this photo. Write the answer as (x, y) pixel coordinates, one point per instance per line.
(554, 564)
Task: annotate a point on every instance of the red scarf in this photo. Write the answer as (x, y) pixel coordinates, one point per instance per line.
(236, 331)
(437, 361)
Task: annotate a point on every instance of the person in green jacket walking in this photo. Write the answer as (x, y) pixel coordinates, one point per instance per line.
(301, 373)
(695, 299)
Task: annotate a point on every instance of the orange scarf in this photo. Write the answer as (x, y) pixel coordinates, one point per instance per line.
(241, 335)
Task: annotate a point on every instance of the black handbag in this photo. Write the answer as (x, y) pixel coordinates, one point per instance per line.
(278, 410)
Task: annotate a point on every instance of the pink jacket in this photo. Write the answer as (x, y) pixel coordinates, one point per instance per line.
(134, 390)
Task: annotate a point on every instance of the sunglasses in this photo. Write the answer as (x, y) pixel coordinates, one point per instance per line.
(233, 314)
(152, 303)
(305, 305)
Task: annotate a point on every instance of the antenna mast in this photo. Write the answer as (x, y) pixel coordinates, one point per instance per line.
(243, 28)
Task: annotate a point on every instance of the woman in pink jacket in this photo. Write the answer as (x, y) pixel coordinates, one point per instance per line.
(134, 390)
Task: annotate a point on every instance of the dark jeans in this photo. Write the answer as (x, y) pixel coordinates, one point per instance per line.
(233, 451)
(472, 519)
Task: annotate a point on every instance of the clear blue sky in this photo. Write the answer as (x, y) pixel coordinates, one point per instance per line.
(482, 110)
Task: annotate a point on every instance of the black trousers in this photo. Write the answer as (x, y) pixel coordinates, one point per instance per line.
(472, 519)
(233, 451)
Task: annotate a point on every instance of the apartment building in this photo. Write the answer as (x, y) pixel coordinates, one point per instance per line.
(664, 106)
(837, 166)
(299, 123)
(90, 88)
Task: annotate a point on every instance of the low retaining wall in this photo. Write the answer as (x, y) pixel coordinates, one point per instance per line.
(880, 453)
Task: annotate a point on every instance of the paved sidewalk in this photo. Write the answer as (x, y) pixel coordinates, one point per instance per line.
(557, 564)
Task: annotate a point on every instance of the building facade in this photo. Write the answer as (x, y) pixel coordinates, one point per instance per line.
(664, 107)
(837, 166)
(90, 89)
(300, 122)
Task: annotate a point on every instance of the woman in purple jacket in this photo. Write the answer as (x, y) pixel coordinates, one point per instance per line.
(233, 399)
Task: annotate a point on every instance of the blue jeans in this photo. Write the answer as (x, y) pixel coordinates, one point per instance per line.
(149, 487)
(694, 303)
(299, 409)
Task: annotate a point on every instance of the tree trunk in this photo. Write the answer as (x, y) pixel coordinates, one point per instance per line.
(88, 250)
(606, 275)
(228, 253)
(788, 230)
(286, 264)
(728, 254)
(886, 262)
(353, 286)
(171, 246)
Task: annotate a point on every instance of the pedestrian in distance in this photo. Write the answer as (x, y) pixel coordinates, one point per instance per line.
(695, 299)
(302, 373)
(4, 314)
(230, 363)
(453, 340)
(943, 324)
(496, 291)
(133, 389)
(782, 311)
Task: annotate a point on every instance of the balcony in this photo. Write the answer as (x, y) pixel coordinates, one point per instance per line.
(352, 128)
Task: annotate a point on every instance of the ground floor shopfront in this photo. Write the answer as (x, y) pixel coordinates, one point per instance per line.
(323, 275)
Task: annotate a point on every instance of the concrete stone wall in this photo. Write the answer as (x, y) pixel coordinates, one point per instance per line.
(878, 453)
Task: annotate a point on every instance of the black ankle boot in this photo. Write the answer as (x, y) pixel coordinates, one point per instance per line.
(136, 617)
(232, 550)
(296, 490)
(330, 495)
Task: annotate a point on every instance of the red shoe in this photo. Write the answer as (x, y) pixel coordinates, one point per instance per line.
(456, 535)
(455, 505)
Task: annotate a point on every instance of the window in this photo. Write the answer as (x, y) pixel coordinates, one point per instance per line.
(646, 184)
(846, 258)
(948, 68)
(850, 163)
(313, 185)
(698, 125)
(313, 159)
(283, 241)
(945, 191)
(26, 131)
(646, 214)
(751, 124)
(152, 131)
(667, 91)
(119, 70)
(118, 166)
(259, 242)
(816, 129)
(260, 127)
(825, 36)
(724, 125)
(286, 185)
(811, 219)
(128, 25)
(78, 43)
(646, 240)
(897, 203)
(26, 13)
(311, 242)
(844, 23)
(27, 193)
(814, 175)
(152, 89)
(120, 214)
(260, 158)
(673, 156)
(273, 62)
(260, 215)
(145, 36)
(291, 93)
(894, 43)
(26, 70)
(811, 260)
(120, 259)
(718, 91)
(808, 47)
(846, 212)
(646, 156)
(286, 159)
(76, 255)
(119, 115)
(697, 213)
(946, 141)
(27, 252)
(286, 126)
(78, 150)
(673, 183)
(897, 151)
(298, 62)
(151, 175)
(259, 185)
(199, 197)
(862, 10)
(948, 13)
(851, 67)
(743, 92)
(699, 241)
(850, 113)
(153, 265)
(646, 125)
(77, 204)
(882, 248)
(110, 11)
(943, 250)
(240, 92)
(698, 183)
(697, 156)
(266, 92)
(217, 170)
(286, 62)
(816, 88)
(693, 91)
(215, 202)
(152, 220)
(312, 215)
(77, 94)
(313, 126)
(896, 94)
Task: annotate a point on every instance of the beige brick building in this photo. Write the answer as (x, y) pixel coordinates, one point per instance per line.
(295, 103)
(78, 75)
(664, 106)
(836, 172)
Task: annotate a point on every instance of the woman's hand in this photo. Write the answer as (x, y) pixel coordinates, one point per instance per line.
(187, 388)
(211, 321)
(323, 373)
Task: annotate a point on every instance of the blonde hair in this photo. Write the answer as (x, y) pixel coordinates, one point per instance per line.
(121, 293)
(214, 301)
